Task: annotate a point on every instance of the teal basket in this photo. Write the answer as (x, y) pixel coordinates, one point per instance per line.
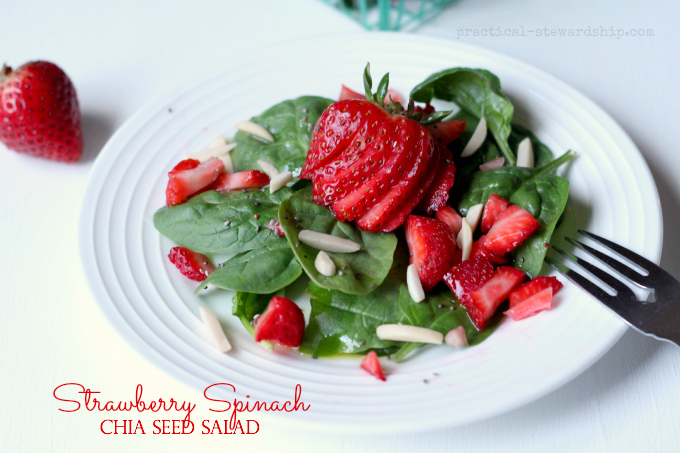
(392, 15)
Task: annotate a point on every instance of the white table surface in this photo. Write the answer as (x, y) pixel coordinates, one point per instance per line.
(123, 54)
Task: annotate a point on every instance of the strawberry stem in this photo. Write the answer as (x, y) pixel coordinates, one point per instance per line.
(4, 72)
(435, 117)
(382, 89)
(368, 82)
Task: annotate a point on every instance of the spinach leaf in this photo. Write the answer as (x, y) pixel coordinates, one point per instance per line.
(261, 271)
(246, 305)
(345, 323)
(359, 272)
(443, 313)
(199, 224)
(476, 91)
(544, 197)
(291, 123)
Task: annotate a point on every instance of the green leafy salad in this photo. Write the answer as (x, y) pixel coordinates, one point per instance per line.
(406, 224)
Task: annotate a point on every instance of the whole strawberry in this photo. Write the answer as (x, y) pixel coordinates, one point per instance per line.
(39, 112)
(374, 163)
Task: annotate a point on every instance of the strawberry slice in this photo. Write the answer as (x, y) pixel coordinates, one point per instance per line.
(512, 227)
(540, 301)
(250, 179)
(372, 365)
(467, 276)
(484, 301)
(186, 179)
(479, 248)
(282, 323)
(449, 216)
(492, 209)
(192, 264)
(534, 286)
(431, 245)
(438, 194)
(446, 132)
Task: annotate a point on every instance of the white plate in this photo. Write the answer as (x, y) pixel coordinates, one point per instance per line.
(154, 308)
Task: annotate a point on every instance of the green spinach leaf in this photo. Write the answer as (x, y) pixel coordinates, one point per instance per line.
(246, 306)
(359, 272)
(291, 123)
(199, 224)
(261, 271)
(476, 91)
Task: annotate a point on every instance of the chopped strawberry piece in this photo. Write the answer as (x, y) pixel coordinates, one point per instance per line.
(438, 194)
(282, 323)
(467, 276)
(484, 301)
(250, 179)
(479, 249)
(372, 365)
(494, 206)
(512, 227)
(187, 178)
(540, 301)
(449, 216)
(534, 286)
(347, 93)
(431, 245)
(446, 132)
(192, 264)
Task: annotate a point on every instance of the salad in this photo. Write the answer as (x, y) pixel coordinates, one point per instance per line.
(407, 225)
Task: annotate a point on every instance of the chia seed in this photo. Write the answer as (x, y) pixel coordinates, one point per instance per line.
(373, 285)
(341, 273)
(425, 381)
(227, 222)
(257, 203)
(314, 357)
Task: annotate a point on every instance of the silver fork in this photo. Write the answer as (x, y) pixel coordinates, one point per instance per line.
(658, 316)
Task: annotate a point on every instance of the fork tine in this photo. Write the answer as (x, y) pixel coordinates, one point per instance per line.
(580, 280)
(622, 251)
(612, 282)
(612, 263)
(612, 302)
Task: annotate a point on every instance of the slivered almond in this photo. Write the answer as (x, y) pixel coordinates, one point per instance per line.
(255, 130)
(204, 155)
(324, 264)
(268, 168)
(473, 216)
(415, 287)
(279, 181)
(478, 137)
(456, 338)
(525, 153)
(327, 242)
(398, 332)
(219, 141)
(228, 164)
(215, 331)
(464, 239)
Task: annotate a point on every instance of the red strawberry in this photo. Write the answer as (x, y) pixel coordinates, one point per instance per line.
(449, 216)
(438, 194)
(282, 323)
(346, 93)
(479, 249)
(369, 163)
(446, 132)
(467, 276)
(187, 178)
(511, 228)
(249, 179)
(485, 300)
(372, 365)
(534, 286)
(192, 264)
(540, 301)
(39, 113)
(492, 209)
(431, 245)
